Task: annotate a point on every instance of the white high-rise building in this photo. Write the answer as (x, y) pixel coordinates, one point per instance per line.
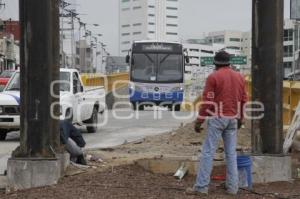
(291, 47)
(247, 51)
(231, 39)
(147, 20)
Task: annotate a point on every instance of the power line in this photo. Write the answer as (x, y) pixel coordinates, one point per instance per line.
(72, 16)
(2, 5)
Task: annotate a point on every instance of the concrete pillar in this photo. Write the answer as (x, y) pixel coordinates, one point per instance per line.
(267, 81)
(34, 163)
(267, 75)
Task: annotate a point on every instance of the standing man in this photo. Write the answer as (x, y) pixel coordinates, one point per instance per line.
(223, 101)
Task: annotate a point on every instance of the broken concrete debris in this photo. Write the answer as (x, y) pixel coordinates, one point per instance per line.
(181, 172)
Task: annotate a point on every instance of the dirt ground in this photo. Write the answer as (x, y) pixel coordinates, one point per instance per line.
(181, 142)
(113, 173)
(133, 182)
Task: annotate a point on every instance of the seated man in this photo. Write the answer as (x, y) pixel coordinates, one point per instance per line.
(73, 141)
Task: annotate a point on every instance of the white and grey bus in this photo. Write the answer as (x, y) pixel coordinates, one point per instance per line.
(156, 74)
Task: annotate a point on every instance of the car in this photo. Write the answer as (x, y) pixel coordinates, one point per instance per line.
(4, 78)
(77, 103)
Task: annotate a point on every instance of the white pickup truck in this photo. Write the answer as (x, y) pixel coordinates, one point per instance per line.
(77, 103)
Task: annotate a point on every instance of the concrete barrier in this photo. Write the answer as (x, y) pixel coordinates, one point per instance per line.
(265, 169)
(110, 82)
(26, 174)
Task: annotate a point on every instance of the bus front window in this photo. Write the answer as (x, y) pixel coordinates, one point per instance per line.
(170, 68)
(144, 67)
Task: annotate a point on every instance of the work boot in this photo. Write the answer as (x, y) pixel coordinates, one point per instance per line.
(81, 160)
(232, 193)
(228, 191)
(193, 191)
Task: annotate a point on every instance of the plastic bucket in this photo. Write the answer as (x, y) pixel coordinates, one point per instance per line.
(245, 171)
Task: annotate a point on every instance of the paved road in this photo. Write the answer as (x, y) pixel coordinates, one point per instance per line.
(127, 126)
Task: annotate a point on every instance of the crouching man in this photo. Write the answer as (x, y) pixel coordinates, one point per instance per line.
(72, 139)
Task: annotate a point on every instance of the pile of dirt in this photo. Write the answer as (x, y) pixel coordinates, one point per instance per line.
(131, 181)
(181, 142)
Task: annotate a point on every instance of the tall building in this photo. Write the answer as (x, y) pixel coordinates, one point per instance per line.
(12, 27)
(8, 54)
(291, 47)
(9, 45)
(246, 50)
(84, 57)
(238, 42)
(147, 20)
(231, 39)
(196, 51)
(115, 64)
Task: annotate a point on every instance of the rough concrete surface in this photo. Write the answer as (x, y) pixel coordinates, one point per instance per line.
(64, 161)
(25, 174)
(3, 182)
(271, 169)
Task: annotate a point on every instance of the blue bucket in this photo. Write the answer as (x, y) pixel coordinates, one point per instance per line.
(245, 171)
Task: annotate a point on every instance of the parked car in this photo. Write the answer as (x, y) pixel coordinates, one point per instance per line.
(79, 104)
(4, 78)
(293, 76)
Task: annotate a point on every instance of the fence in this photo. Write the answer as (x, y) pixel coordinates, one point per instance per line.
(291, 91)
(290, 95)
(110, 82)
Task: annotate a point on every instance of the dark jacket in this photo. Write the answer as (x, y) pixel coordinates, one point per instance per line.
(67, 130)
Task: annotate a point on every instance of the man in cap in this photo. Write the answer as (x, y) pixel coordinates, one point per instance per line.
(224, 97)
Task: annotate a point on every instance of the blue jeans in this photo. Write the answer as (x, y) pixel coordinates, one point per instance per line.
(217, 128)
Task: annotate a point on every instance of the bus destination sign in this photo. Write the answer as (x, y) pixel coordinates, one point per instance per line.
(157, 47)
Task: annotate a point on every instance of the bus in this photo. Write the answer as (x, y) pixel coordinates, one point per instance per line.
(156, 74)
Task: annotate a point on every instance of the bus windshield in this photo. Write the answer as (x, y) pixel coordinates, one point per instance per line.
(162, 67)
(169, 68)
(157, 62)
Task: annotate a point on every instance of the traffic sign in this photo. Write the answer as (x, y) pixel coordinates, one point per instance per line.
(237, 60)
(205, 61)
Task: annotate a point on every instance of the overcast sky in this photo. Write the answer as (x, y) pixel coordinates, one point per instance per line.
(196, 17)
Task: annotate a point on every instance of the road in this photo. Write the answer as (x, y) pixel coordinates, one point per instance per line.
(119, 126)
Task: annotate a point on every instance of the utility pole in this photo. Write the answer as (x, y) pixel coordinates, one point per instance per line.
(63, 6)
(39, 139)
(267, 75)
(2, 5)
(72, 42)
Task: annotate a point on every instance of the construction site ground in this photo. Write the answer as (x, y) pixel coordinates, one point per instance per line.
(113, 172)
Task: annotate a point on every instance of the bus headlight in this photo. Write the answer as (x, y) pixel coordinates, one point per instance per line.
(177, 89)
(135, 88)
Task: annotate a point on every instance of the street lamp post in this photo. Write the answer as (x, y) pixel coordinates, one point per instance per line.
(102, 56)
(295, 51)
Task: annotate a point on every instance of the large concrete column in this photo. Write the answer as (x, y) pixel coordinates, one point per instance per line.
(39, 68)
(267, 75)
(34, 163)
